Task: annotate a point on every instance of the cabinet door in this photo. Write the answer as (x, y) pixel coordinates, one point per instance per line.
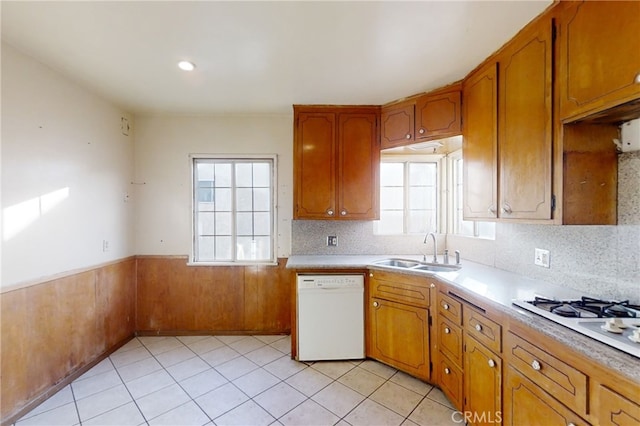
(480, 144)
(482, 383)
(615, 409)
(437, 116)
(315, 166)
(527, 404)
(400, 336)
(525, 124)
(397, 124)
(358, 166)
(599, 60)
(450, 380)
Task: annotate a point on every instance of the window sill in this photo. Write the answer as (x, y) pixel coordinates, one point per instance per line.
(265, 263)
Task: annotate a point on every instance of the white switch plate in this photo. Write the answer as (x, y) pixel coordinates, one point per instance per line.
(542, 258)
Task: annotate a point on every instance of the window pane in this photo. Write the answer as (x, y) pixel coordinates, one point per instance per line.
(206, 225)
(391, 174)
(261, 175)
(422, 174)
(262, 199)
(244, 199)
(465, 227)
(244, 223)
(205, 248)
(391, 222)
(223, 175)
(421, 221)
(223, 248)
(422, 197)
(391, 198)
(244, 175)
(223, 199)
(262, 223)
(223, 223)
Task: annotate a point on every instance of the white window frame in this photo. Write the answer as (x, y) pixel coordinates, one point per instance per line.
(440, 207)
(452, 227)
(274, 208)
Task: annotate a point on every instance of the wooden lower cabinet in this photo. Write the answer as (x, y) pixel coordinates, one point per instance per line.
(450, 381)
(399, 336)
(615, 409)
(482, 384)
(526, 404)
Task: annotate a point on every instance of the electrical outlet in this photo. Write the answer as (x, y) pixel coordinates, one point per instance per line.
(542, 258)
(105, 245)
(332, 241)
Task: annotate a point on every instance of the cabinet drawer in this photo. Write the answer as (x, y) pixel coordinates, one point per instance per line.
(451, 381)
(401, 288)
(559, 379)
(486, 331)
(450, 308)
(527, 404)
(450, 340)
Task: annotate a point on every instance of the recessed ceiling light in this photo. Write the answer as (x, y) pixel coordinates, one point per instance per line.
(186, 65)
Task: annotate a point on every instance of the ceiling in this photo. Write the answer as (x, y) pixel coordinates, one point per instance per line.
(261, 57)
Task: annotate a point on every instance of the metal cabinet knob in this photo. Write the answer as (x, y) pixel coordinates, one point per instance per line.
(376, 304)
(421, 131)
(408, 136)
(343, 212)
(445, 307)
(506, 208)
(447, 371)
(446, 330)
(478, 327)
(637, 80)
(371, 274)
(330, 212)
(432, 285)
(492, 209)
(491, 363)
(571, 424)
(536, 365)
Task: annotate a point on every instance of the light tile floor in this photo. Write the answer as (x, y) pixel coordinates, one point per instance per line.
(238, 380)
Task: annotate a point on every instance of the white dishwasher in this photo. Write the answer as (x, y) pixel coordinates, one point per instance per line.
(330, 317)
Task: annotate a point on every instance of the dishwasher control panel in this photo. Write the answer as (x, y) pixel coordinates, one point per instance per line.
(339, 281)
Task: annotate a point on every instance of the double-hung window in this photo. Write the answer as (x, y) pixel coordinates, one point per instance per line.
(234, 209)
(408, 197)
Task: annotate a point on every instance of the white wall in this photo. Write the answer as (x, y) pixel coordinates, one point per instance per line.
(163, 174)
(66, 170)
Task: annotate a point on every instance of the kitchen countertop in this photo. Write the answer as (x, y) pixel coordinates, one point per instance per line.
(499, 288)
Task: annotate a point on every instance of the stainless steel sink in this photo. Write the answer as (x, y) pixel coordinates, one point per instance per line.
(437, 267)
(398, 263)
(415, 265)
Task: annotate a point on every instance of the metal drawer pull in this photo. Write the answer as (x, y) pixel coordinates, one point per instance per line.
(478, 327)
(447, 371)
(492, 363)
(376, 304)
(446, 307)
(536, 365)
(446, 330)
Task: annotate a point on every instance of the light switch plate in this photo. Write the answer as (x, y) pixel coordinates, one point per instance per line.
(542, 258)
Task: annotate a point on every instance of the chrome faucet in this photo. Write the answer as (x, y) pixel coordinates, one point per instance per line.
(435, 247)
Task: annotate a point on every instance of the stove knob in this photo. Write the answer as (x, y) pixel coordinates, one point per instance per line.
(536, 365)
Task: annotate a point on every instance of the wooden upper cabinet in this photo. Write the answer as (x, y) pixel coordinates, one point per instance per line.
(315, 164)
(599, 60)
(358, 166)
(434, 115)
(437, 115)
(336, 163)
(480, 143)
(397, 125)
(525, 130)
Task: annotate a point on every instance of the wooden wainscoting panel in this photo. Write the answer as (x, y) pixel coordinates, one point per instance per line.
(267, 295)
(173, 297)
(54, 329)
